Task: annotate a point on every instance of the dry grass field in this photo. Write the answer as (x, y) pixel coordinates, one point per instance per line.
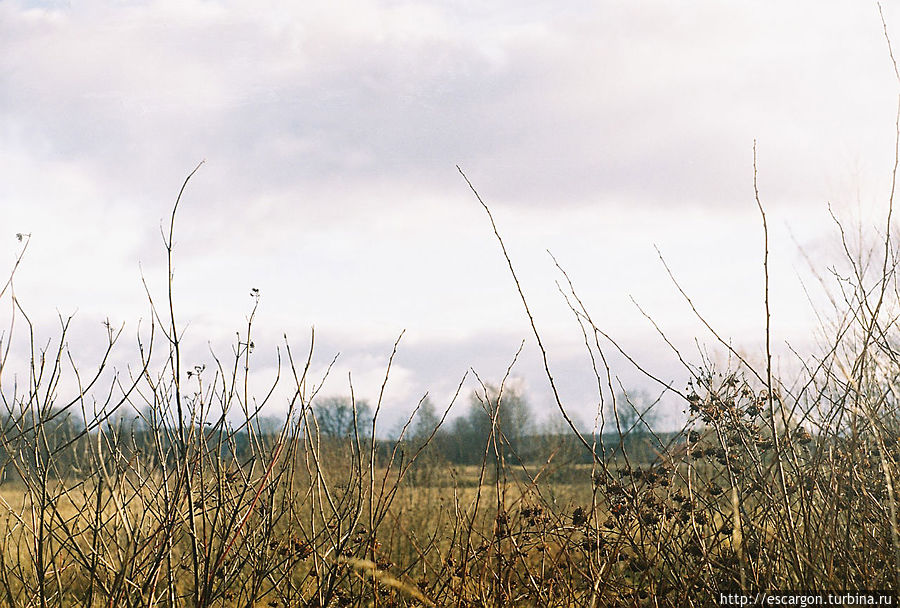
(159, 485)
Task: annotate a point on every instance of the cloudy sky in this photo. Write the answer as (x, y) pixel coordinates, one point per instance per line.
(331, 132)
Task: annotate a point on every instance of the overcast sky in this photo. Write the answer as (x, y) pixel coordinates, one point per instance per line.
(331, 132)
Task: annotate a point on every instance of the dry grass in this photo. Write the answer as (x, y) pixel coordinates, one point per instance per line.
(773, 483)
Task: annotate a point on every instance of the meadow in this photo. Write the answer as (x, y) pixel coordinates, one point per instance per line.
(164, 485)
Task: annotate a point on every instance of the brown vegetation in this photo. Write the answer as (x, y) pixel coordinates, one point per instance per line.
(772, 484)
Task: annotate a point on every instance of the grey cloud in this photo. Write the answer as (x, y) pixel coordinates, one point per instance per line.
(542, 106)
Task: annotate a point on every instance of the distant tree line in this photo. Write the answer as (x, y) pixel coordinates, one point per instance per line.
(497, 424)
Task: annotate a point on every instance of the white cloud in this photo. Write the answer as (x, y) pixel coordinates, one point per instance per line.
(332, 130)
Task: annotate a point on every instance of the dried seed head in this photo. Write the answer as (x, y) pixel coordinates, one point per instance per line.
(579, 517)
